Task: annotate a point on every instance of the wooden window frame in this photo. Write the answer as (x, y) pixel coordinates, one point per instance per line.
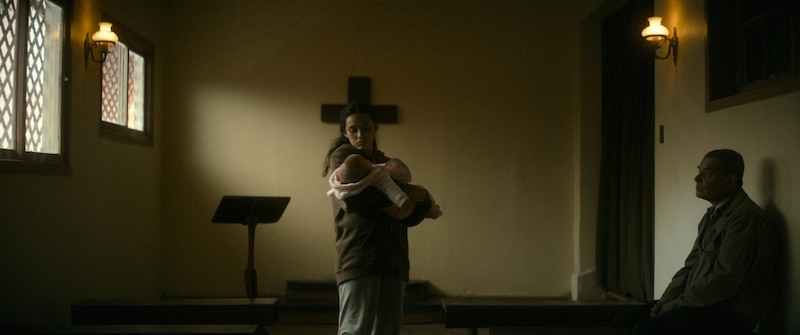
(725, 84)
(19, 160)
(146, 49)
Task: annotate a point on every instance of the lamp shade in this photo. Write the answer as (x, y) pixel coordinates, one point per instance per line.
(655, 31)
(105, 34)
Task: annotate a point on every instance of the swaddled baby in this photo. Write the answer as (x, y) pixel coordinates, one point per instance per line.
(357, 173)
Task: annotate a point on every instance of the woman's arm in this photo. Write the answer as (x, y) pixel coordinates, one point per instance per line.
(420, 212)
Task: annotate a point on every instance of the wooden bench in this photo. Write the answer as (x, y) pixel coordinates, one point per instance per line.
(241, 311)
(139, 330)
(474, 313)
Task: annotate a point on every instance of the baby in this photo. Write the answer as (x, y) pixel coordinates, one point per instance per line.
(356, 173)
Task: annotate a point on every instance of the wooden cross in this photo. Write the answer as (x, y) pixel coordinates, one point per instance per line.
(359, 89)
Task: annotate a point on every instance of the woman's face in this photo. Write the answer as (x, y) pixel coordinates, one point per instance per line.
(360, 129)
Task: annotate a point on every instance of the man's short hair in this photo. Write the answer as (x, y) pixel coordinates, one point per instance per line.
(730, 161)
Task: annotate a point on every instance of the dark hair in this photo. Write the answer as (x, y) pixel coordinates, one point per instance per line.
(730, 162)
(352, 108)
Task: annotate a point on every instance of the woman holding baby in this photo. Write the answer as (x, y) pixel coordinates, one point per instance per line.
(371, 221)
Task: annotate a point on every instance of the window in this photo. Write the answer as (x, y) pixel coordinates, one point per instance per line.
(34, 85)
(752, 50)
(127, 76)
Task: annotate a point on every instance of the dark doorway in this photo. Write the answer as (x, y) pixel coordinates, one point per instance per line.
(625, 208)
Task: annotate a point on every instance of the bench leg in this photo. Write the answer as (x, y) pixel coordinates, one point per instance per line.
(473, 331)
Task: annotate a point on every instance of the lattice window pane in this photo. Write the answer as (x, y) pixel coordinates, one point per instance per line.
(43, 78)
(123, 88)
(8, 87)
(136, 77)
(114, 82)
(34, 97)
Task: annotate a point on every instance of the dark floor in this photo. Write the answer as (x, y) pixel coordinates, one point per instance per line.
(426, 329)
(439, 329)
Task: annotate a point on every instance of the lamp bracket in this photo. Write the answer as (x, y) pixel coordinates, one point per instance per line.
(90, 48)
(672, 50)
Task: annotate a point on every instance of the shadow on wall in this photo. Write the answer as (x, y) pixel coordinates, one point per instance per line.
(774, 215)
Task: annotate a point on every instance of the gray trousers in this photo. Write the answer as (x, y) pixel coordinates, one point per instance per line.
(371, 305)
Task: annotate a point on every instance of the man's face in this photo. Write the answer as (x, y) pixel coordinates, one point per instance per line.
(711, 183)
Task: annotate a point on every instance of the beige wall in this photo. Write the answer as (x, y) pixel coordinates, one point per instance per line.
(95, 234)
(487, 96)
(766, 133)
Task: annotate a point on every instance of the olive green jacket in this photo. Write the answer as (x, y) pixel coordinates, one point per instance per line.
(732, 263)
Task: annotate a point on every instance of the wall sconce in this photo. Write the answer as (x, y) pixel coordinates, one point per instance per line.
(102, 41)
(656, 33)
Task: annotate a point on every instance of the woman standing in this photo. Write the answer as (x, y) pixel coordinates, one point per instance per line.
(371, 247)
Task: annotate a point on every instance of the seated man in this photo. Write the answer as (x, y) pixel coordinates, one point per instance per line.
(728, 283)
(356, 173)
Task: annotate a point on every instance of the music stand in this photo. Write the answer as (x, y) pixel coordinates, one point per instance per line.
(250, 211)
